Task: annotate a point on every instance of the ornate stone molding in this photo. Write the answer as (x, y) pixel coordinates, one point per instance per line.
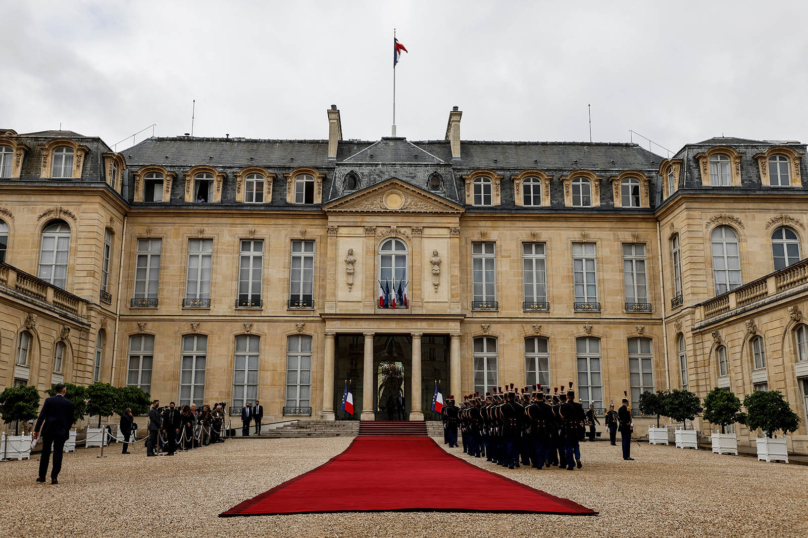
(751, 327)
(435, 261)
(588, 329)
(56, 212)
(795, 313)
(370, 230)
(350, 260)
(393, 231)
(251, 232)
(6, 212)
(536, 329)
(332, 230)
(677, 325)
(141, 326)
(485, 327)
(248, 327)
(717, 338)
(640, 329)
(723, 219)
(103, 323)
(30, 320)
(392, 195)
(784, 220)
(299, 327)
(417, 231)
(454, 232)
(194, 326)
(64, 334)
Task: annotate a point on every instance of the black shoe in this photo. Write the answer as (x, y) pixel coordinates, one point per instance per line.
(151, 455)
(629, 459)
(570, 468)
(40, 479)
(579, 464)
(510, 466)
(54, 481)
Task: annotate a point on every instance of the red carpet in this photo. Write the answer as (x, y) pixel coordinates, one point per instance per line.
(413, 474)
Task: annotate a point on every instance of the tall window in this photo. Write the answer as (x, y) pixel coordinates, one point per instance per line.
(203, 192)
(200, 259)
(634, 275)
(630, 192)
(3, 241)
(758, 353)
(304, 189)
(298, 371)
(671, 181)
(683, 361)
(62, 163)
(723, 367)
(245, 371)
(147, 272)
(54, 253)
(584, 272)
(719, 171)
(531, 192)
(254, 189)
(726, 260)
(6, 158)
(192, 375)
(250, 271)
(58, 358)
(802, 343)
(484, 280)
(640, 368)
(113, 180)
(581, 192)
(485, 364)
(141, 357)
(483, 191)
(534, 275)
(301, 283)
(99, 356)
(23, 348)
(804, 384)
(779, 171)
(537, 361)
(677, 266)
(785, 247)
(351, 183)
(153, 187)
(590, 382)
(105, 261)
(393, 267)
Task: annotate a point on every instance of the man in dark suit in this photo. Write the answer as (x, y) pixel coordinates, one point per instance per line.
(246, 417)
(171, 426)
(626, 426)
(258, 414)
(126, 429)
(57, 416)
(154, 428)
(401, 405)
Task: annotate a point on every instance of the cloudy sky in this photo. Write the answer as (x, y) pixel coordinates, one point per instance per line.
(675, 72)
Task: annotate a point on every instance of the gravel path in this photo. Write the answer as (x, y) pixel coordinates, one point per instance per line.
(666, 492)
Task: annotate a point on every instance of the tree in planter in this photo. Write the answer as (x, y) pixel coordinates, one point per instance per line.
(133, 398)
(682, 405)
(101, 400)
(19, 403)
(653, 404)
(722, 407)
(76, 394)
(770, 412)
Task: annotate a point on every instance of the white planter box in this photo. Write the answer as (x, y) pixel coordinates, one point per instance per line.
(687, 439)
(119, 436)
(725, 443)
(19, 446)
(94, 436)
(658, 436)
(70, 444)
(772, 449)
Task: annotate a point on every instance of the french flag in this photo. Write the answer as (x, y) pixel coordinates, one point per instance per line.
(347, 400)
(437, 400)
(397, 48)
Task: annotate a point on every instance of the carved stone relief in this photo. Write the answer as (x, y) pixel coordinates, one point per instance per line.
(435, 261)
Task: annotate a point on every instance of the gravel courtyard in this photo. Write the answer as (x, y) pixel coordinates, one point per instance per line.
(666, 492)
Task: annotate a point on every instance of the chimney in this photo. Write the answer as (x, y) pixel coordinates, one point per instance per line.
(334, 132)
(453, 132)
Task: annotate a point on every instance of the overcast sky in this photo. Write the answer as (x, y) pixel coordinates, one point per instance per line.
(675, 72)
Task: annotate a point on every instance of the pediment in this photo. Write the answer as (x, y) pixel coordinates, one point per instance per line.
(392, 196)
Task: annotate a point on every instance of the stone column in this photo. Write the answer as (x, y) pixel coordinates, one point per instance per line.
(368, 382)
(328, 379)
(415, 380)
(454, 367)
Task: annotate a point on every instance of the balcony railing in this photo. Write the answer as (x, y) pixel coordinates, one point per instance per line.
(144, 302)
(192, 302)
(305, 302)
(390, 307)
(21, 283)
(106, 297)
(484, 305)
(297, 411)
(677, 301)
(638, 307)
(588, 306)
(252, 302)
(536, 306)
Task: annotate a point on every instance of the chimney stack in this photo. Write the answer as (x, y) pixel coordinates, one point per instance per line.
(453, 132)
(334, 132)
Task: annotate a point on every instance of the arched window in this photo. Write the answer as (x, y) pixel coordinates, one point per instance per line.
(351, 183)
(393, 273)
(298, 373)
(3, 241)
(245, 371)
(203, 188)
(779, 171)
(537, 361)
(62, 163)
(758, 353)
(485, 364)
(630, 192)
(254, 189)
(99, 356)
(590, 382)
(53, 254)
(59, 358)
(531, 192)
(785, 247)
(141, 357)
(6, 158)
(719, 171)
(483, 191)
(802, 343)
(726, 260)
(192, 375)
(640, 368)
(304, 189)
(153, 187)
(581, 192)
(723, 367)
(683, 361)
(671, 181)
(435, 182)
(23, 348)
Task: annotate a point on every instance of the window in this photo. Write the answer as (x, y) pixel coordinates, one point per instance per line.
(99, 355)
(484, 279)
(581, 192)
(630, 192)
(537, 361)
(105, 261)
(3, 241)
(590, 382)
(23, 348)
(62, 166)
(723, 367)
(719, 171)
(147, 272)
(779, 171)
(726, 260)
(804, 383)
(250, 271)
(6, 158)
(203, 184)
(531, 192)
(485, 364)
(683, 361)
(435, 182)
(634, 277)
(760, 387)
(393, 269)
(58, 358)
(534, 276)
(351, 183)
(301, 282)
(141, 356)
(298, 371)
(254, 189)
(245, 371)
(785, 247)
(192, 376)
(677, 266)
(758, 353)
(640, 368)
(54, 253)
(197, 285)
(153, 187)
(584, 273)
(114, 178)
(304, 189)
(671, 182)
(802, 343)
(482, 191)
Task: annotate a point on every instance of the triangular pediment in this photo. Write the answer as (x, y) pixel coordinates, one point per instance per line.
(392, 196)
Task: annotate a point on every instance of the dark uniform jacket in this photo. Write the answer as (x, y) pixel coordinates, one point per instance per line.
(171, 419)
(126, 426)
(57, 416)
(154, 419)
(624, 419)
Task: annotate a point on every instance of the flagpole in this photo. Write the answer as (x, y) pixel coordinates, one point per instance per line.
(394, 86)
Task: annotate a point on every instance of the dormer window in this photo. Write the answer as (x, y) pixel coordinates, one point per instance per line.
(779, 171)
(254, 189)
(114, 178)
(482, 192)
(153, 187)
(435, 183)
(531, 192)
(6, 158)
(630, 192)
(720, 175)
(62, 166)
(304, 189)
(671, 182)
(351, 183)
(203, 191)
(581, 192)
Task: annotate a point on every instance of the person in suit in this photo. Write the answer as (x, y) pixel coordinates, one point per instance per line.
(401, 405)
(624, 418)
(591, 418)
(258, 414)
(246, 417)
(126, 429)
(171, 427)
(154, 428)
(57, 417)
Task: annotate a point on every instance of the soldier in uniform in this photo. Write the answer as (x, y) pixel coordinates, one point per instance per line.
(524, 434)
(573, 420)
(611, 424)
(626, 427)
(476, 424)
(451, 422)
(544, 420)
(443, 422)
(562, 430)
(512, 426)
(463, 424)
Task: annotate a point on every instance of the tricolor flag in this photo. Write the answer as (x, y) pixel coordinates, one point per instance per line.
(402, 295)
(397, 48)
(437, 400)
(347, 400)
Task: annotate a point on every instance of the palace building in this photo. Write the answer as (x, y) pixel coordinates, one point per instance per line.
(229, 269)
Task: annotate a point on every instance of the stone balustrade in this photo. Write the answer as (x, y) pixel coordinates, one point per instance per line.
(28, 285)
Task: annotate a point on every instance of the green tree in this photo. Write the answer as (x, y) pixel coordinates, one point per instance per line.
(653, 404)
(770, 412)
(101, 400)
(134, 398)
(682, 405)
(722, 407)
(19, 403)
(76, 394)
